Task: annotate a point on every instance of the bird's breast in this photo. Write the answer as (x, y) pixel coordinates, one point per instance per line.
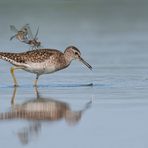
(40, 68)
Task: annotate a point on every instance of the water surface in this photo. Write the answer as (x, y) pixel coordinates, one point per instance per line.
(113, 37)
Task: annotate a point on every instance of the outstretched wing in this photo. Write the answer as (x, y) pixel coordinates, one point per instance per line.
(29, 32)
(13, 28)
(36, 34)
(12, 37)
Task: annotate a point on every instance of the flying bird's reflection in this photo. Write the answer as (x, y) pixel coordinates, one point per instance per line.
(38, 110)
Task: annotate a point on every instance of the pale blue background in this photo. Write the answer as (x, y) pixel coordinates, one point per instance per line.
(113, 37)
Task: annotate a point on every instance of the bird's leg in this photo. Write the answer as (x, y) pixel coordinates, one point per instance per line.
(13, 97)
(13, 76)
(36, 80)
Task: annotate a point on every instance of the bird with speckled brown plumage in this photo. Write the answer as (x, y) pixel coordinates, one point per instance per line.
(42, 61)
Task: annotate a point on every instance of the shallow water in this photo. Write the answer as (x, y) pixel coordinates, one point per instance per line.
(113, 37)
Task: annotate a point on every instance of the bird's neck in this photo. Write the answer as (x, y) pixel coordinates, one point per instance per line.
(68, 58)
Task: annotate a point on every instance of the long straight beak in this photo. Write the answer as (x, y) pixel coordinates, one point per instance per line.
(84, 62)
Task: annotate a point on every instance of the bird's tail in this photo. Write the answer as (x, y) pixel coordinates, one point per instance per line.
(13, 58)
(9, 57)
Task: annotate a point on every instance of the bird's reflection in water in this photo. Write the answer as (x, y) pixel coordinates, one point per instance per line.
(38, 110)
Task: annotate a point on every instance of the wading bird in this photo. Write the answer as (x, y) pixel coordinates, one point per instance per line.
(42, 61)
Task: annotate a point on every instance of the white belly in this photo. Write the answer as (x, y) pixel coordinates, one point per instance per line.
(40, 68)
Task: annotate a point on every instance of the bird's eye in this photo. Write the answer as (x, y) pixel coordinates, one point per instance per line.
(76, 53)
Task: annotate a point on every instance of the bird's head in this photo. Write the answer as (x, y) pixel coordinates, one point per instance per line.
(73, 53)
